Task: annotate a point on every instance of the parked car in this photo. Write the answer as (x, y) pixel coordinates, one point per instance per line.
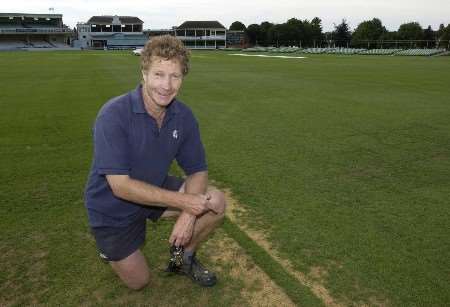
(137, 51)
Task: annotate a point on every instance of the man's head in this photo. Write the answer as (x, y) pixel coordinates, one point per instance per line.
(164, 63)
(168, 48)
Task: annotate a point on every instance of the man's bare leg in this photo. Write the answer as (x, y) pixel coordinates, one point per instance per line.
(205, 224)
(133, 270)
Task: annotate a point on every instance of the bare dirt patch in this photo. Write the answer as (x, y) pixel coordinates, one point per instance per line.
(239, 278)
(313, 280)
(259, 289)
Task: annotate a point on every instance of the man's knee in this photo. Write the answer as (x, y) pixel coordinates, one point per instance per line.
(218, 200)
(138, 283)
(134, 280)
(133, 271)
(220, 217)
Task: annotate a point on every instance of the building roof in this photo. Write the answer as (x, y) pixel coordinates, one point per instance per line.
(201, 25)
(31, 15)
(109, 19)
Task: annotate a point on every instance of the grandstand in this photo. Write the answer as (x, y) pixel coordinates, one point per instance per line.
(126, 32)
(202, 34)
(19, 31)
(158, 32)
(111, 32)
(351, 51)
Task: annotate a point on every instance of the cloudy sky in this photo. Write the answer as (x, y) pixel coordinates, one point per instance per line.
(167, 13)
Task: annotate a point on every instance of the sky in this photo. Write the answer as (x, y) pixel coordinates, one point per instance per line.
(165, 14)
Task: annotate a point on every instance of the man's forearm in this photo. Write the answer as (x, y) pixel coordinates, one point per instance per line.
(196, 183)
(146, 194)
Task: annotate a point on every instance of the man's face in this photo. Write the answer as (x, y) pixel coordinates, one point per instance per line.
(162, 81)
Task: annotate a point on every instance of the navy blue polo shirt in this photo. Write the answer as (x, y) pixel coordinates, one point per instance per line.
(127, 141)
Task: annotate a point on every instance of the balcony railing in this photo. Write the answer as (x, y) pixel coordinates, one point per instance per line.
(204, 38)
(114, 33)
(34, 30)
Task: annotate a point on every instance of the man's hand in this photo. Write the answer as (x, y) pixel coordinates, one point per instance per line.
(216, 201)
(183, 230)
(196, 204)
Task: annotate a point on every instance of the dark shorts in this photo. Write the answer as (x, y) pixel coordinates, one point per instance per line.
(117, 243)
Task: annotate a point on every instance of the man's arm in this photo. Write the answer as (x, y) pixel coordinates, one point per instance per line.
(143, 193)
(196, 183)
(182, 231)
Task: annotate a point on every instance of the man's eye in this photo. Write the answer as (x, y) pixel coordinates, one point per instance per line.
(158, 74)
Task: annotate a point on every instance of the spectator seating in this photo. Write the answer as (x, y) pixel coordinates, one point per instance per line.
(346, 51)
(349, 51)
(12, 44)
(41, 44)
(286, 49)
(420, 52)
(380, 51)
(256, 49)
(316, 50)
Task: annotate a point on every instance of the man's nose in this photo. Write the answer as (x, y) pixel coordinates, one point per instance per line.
(167, 83)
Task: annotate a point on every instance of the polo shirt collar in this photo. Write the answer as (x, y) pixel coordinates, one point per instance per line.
(138, 102)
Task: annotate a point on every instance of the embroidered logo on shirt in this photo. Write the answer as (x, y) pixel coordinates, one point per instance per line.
(175, 134)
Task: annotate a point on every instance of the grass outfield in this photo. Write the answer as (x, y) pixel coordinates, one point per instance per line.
(343, 161)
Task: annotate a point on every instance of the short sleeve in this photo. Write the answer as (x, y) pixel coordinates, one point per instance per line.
(111, 146)
(191, 155)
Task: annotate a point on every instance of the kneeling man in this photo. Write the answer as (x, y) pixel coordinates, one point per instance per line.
(136, 138)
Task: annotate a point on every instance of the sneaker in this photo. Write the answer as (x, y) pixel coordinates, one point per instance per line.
(176, 259)
(198, 273)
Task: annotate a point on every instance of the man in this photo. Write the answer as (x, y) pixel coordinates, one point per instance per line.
(136, 138)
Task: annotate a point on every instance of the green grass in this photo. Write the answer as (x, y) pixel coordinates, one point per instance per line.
(343, 161)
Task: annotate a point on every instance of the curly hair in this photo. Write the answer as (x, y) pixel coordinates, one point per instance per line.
(166, 47)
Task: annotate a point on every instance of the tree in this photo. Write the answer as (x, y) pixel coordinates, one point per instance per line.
(342, 34)
(237, 26)
(441, 35)
(316, 31)
(293, 32)
(441, 30)
(281, 34)
(328, 36)
(306, 33)
(264, 37)
(273, 35)
(389, 36)
(370, 30)
(446, 33)
(430, 36)
(410, 31)
(253, 33)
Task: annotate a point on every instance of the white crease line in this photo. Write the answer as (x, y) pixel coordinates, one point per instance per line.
(270, 56)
